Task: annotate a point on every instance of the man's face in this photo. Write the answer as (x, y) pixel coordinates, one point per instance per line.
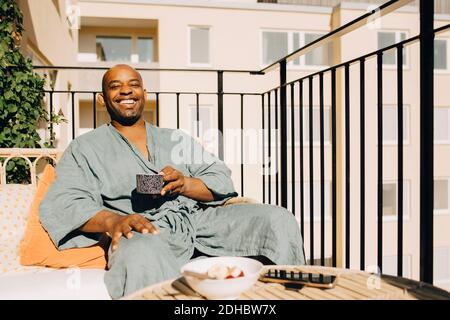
(124, 95)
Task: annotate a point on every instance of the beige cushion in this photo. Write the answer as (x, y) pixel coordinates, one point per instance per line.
(15, 200)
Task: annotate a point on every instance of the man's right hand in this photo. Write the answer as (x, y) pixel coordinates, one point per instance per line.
(118, 226)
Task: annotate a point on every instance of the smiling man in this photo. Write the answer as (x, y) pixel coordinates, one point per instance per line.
(151, 238)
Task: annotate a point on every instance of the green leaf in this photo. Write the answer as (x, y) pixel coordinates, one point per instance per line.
(9, 94)
(11, 164)
(12, 108)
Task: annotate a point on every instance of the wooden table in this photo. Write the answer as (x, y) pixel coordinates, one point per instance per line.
(351, 285)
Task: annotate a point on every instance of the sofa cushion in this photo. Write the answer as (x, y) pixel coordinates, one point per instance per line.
(38, 249)
(52, 284)
(15, 200)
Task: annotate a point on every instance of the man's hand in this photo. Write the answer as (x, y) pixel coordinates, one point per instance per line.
(190, 187)
(119, 226)
(175, 181)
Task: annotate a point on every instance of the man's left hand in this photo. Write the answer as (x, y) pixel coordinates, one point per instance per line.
(175, 180)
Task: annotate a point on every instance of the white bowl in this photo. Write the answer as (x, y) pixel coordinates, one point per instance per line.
(226, 289)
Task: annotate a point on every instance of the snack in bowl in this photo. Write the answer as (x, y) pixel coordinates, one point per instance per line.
(220, 272)
(222, 277)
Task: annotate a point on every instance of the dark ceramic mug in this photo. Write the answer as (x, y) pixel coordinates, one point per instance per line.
(149, 183)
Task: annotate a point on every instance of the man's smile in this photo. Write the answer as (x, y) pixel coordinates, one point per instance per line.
(127, 103)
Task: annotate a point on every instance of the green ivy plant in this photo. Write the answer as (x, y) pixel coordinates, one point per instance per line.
(21, 94)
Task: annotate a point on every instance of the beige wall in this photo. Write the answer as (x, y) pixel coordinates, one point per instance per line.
(53, 43)
(236, 43)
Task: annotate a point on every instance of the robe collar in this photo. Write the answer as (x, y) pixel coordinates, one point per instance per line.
(153, 148)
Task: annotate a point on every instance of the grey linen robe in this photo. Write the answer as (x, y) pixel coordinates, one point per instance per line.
(98, 172)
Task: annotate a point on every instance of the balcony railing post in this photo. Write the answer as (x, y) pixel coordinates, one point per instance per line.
(73, 113)
(283, 133)
(220, 112)
(242, 144)
(426, 139)
(51, 118)
(400, 160)
(178, 110)
(263, 159)
(94, 109)
(157, 109)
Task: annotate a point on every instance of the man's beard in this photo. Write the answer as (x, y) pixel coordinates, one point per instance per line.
(124, 121)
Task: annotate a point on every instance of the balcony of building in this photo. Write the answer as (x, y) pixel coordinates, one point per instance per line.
(318, 153)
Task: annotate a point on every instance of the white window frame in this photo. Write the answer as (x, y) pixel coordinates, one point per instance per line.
(406, 124)
(132, 47)
(136, 47)
(134, 57)
(316, 144)
(192, 117)
(443, 212)
(397, 32)
(406, 201)
(443, 142)
(290, 48)
(193, 64)
(445, 71)
(327, 143)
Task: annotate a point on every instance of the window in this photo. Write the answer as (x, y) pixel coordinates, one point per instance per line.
(145, 49)
(316, 125)
(131, 48)
(441, 195)
(441, 125)
(277, 44)
(199, 45)
(390, 205)
(205, 119)
(441, 54)
(390, 265)
(390, 127)
(387, 38)
(441, 265)
(113, 48)
(319, 56)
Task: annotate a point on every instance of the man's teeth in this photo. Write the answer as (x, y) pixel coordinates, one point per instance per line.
(127, 102)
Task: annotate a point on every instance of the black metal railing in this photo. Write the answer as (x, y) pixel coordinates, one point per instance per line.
(275, 151)
(426, 142)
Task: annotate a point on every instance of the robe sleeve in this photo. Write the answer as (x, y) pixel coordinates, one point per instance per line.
(72, 199)
(212, 171)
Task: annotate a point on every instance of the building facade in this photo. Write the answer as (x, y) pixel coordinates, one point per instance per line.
(248, 35)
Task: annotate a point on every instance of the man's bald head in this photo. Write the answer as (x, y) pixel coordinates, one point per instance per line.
(113, 70)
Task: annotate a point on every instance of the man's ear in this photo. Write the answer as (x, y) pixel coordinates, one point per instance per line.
(100, 99)
(145, 95)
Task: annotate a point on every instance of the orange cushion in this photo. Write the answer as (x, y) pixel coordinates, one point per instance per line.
(38, 249)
